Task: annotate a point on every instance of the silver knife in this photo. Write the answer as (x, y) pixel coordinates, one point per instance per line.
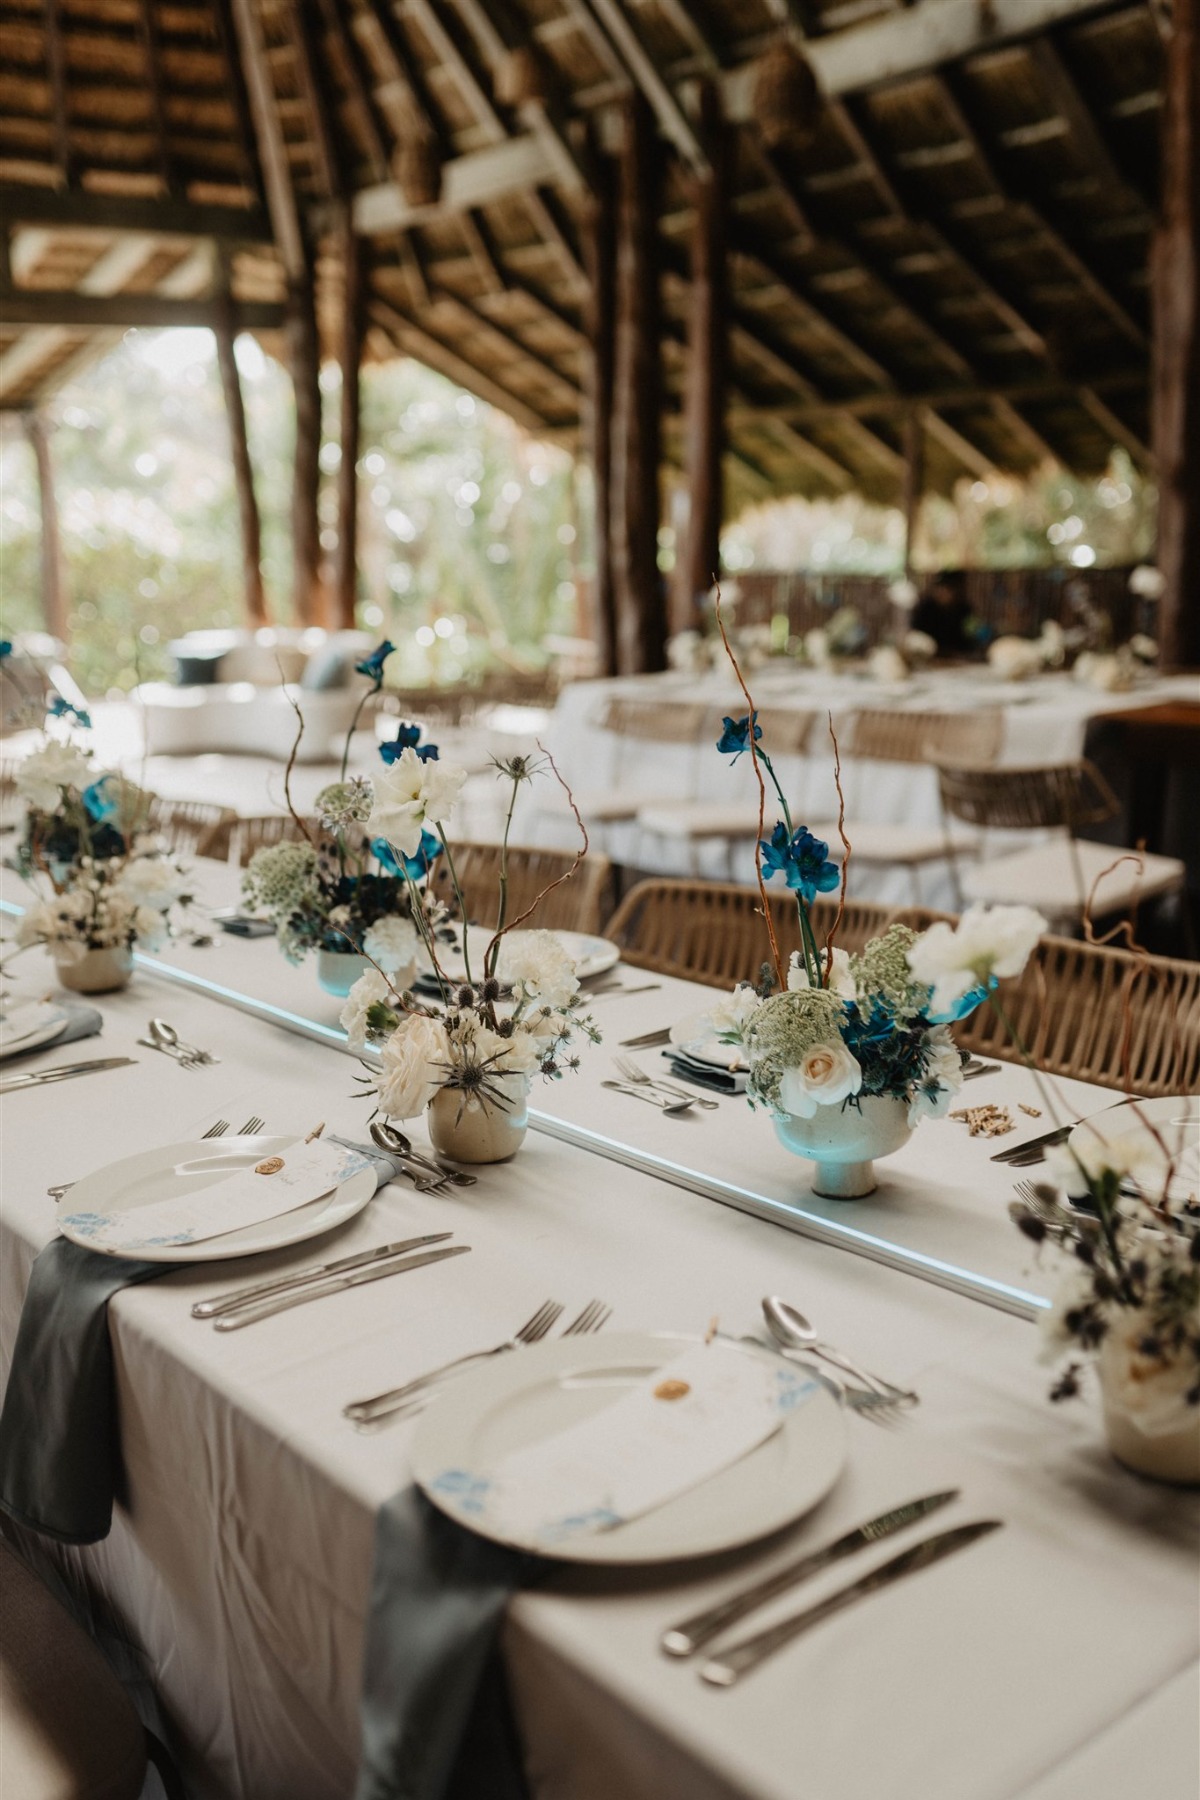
(737, 1661)
(259, 1290)
(249, 1315)
(63, 1072)
(692, 1634)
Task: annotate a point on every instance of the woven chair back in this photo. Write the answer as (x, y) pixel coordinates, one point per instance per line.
(237, 839)
(962, 738)
(578, 904)
(714, 931)
(654, 721)
(1063, 795)
(187, 826)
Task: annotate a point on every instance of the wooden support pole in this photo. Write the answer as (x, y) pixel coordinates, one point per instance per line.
(913, 484)
(54, 606)
(699, 556)
(350, 349)
(637, 380)
(1175, 284)
(225, 332)
(600, 260)
(304, 363)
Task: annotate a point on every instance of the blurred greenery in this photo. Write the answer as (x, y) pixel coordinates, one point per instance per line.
(472, 548)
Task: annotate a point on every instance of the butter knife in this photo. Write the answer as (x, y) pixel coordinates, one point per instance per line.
(259, 1290)
(63, 1072)
(249, 1315)
(692, 1634)
(737, 1661)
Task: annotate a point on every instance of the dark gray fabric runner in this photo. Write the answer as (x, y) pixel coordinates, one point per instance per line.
(59, 1450)
(435, 1718)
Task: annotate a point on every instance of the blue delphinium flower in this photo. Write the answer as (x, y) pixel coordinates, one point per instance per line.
(964, 1006)
(62, 708)
(407, 738)
(100, 799)
(802, 860)
(735, 736)
(6, 648)
(372, 666)
(415, 867)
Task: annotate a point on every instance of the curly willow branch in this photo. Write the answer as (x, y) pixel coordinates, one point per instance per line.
(559, 879)
(846, 849)
(293, 753)
(762, 791)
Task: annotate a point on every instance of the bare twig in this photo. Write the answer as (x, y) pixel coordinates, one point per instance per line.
(489, 960)
(762, 791)
(846, 849)
(293, 753)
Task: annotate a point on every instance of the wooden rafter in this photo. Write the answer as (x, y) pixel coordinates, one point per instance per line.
(149, 35)
(56, 68)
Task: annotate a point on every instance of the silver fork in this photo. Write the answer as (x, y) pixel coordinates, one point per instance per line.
(214, 1131)
(1049, 1212)
(251, 1128)
(626, 1066)
(594, 1315)
(379, 1406)
(661, 1102)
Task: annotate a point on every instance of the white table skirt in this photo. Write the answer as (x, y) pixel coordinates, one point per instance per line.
(239, 1560)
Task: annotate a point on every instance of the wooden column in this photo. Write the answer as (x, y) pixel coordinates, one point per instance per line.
(345, 580)
(304, 363)
(1175, 279)
(224, 330)
(634, 510)
(699, 553)
(54, 605)
(599, 249)
(913, 484)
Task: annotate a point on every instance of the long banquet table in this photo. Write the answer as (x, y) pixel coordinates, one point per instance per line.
(1055, 1656)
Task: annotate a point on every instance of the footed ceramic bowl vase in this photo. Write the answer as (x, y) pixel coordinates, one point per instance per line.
(338, 970)
(466, 1128)
(97, 971)
(844, 1141)
(1171, 1456)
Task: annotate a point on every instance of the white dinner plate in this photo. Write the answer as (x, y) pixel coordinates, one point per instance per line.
(1174, 1119)
(190, 1167)
(591, 955)
(695, 1037)
(516, 1400)
(26, 1027)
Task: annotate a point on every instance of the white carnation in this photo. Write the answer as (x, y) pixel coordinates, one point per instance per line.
(416, 1062)
(368, 991)
(152, 881)
(42, 776)
(1125, 1155)
(407, 794)
(393, 944)
(538, 968)
(150, 928)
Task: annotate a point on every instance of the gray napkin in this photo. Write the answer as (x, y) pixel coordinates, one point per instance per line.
(436, 1723)
(82, 1022)
(59, 1447)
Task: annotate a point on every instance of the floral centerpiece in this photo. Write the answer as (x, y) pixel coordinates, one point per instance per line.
(341, 890)
(102, 883)
(848, 1053)
(465, 1053)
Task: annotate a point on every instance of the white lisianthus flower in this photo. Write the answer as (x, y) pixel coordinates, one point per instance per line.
(826, 1074)
(151, 881)
(42, 776)
(393, 943)
(841, 981)
(442, 785)
(538, 968)
(416, 1061)
(989, 943)
(1133, 1155)
(1150, 1390)
(733, 1012)
(520, 1054)
(398, 807)
(368, 991)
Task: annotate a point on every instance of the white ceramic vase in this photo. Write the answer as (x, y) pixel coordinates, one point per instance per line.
(467, 1128)
(97, 971)
(1171, 1456)
(844, 1140)
(338, 970)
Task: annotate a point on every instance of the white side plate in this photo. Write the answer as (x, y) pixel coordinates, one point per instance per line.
(27, 1027)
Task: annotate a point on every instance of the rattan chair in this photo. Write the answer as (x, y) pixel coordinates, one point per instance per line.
(185, 826)
(713, 931)
(236, 840)
(576, 905)
(919, 738)
(1063, 875)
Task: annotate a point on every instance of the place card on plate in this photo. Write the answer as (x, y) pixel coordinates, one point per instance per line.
(687, 1420)
(278, 1184)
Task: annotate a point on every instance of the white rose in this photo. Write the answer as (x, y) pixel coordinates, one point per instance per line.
(841, 981)
(1150, 1390)
(367, 991)
(988, 942)
(393, 944)
(538, 968)
(398, 808)
(415, 1064)
(733, 1012)
(151, 881)
(42, 776)
(827, 1074)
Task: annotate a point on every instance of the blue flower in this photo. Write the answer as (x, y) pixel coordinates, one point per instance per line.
(406, 738)
(100, 799)
(963, 1007)
(62, 708)
(802, 860)
(428, 752)
(372, 666)
(6, 648)
(735, 736)
(415, 867)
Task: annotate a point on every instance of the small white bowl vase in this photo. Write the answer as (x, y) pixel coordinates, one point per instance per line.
(97, 971)
(1171, 1456)
(466, 1128)
(843, 1141)
(338, 970)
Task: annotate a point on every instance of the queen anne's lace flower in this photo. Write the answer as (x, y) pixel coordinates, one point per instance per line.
(344, 803)
(280, 878)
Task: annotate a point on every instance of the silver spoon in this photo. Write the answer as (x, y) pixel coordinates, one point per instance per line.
(388, 1138)
(673, 1107)
(792, 1330)
(162, 1033)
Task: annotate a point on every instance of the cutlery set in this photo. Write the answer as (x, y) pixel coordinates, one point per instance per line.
(262, 1300)
(427, 1174)
(63, 1072)
(164, 1037)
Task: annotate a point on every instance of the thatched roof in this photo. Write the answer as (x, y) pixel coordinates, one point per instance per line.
(961, 229)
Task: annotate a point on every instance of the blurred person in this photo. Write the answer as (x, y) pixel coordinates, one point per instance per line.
(945, 615)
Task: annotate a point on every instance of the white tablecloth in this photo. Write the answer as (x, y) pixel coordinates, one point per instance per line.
(239, 1560)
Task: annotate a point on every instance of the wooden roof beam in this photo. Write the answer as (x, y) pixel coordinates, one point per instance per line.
(80, 311)
(416, 341)
(646, 76)
(148, 32)
(56, 69)
(496, 34)
(362, 93)
(239, 99)
(968, 454)
(272, 150)
(473, 179)
(1071, 106)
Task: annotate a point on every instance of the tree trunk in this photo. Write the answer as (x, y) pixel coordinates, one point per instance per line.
(304, 363)
(600, 259)
(345, 587)
(639, 589)
(914, 483)
(54, 604)
(243, 473)
(1175, 285)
